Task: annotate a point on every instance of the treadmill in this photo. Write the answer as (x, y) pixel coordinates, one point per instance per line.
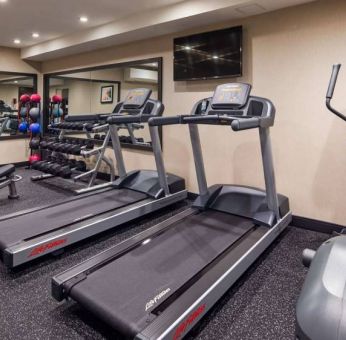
(159, 283)
(30, 234)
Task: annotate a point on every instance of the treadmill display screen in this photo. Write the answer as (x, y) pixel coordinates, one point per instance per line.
(232, 95)
(136, 98)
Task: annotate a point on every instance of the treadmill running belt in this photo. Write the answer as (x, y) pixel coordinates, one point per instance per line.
(125, 291)
(32, 224)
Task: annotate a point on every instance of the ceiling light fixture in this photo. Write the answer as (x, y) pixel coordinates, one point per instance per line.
(35, 35)
(187, 48)
(83, 19)
(16, 81)
(17, 41)
(215, 57)
(3, 1)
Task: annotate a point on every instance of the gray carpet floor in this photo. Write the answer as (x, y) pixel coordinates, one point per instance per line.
(260, 306)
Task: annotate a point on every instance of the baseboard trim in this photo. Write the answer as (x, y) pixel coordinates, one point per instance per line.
(316, 225)
(18, 164)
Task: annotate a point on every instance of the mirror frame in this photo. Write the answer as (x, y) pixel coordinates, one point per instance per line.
(47, 76)
(34, 77)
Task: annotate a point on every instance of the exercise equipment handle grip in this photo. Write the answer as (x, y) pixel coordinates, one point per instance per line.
(245, 124)
(115, 120)
(333, 79)
(330, 92)
(159, 121)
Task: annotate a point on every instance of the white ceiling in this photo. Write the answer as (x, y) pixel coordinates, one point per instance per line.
(56, 18)
(112, 22)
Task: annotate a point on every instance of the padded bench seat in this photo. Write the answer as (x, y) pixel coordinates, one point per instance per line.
(7, 170)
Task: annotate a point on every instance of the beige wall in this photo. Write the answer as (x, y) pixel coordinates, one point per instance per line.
(287, 57)
(16, 150)
(8, 92)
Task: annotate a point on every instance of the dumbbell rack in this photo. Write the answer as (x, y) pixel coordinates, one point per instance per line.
(99, 152)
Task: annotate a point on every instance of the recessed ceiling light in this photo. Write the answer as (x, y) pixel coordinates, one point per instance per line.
(187, 48)
(35, 35)
(83, 19)
(16, 81)
(215, 57)
(3, 1)
(17, 41)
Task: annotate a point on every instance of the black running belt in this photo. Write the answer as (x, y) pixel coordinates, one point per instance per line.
(125, 291)
(29, 225)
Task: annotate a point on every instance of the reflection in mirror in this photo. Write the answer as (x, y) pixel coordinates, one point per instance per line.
(12, 86)
(98, 91)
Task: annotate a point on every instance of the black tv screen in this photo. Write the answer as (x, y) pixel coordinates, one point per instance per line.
(209, 55)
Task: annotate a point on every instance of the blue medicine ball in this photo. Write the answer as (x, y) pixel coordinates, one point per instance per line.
(23, 127)
(35, 128)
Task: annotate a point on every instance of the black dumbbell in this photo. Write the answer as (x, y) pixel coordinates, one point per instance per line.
(89, 126)
(65, 171)
(34, 144)
(96, 136)
(36, 165)
(89, 145)
(72, 163)
(81, 166)
(140, 140)
(75, 150)
(43, 144)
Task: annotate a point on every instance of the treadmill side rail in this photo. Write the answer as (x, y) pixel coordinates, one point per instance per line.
(186, 311)
(26, 251)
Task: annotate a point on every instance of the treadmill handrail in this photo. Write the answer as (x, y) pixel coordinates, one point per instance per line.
(330, 92)
(237, 123)
(121, 119)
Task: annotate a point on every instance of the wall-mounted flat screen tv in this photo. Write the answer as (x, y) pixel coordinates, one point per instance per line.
(206, 55)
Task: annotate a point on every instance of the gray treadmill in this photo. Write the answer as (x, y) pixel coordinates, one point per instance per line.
(159, 283)
(30, 234)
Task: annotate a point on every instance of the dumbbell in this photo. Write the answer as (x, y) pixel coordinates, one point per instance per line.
(43, 144)
(34, 144)
(140, 140)
(89, 126)
(36, 165)
(75, 149)
(89, 145)
(65, 171)
(97, 136)
(80, 166)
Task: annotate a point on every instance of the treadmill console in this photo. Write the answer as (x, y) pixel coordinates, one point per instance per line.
(230, 96)
(136, 98)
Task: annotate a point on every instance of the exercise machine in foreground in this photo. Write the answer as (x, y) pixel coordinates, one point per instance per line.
(8, 178)
(321, 307)
(27, 235)
(159, 283)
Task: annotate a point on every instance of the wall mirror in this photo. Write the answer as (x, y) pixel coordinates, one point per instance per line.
(97, 90)
(12, 86)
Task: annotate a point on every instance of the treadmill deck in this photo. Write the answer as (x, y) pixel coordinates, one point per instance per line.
(125, 291)
(33, 224)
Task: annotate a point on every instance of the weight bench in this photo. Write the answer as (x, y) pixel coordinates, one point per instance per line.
(8, 178)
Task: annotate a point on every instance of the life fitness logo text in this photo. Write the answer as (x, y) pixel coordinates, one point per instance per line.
(41, 249)
(182, 328)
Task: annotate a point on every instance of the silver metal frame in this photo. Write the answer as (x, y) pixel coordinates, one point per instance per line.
(100, 154)
(10, 182)
(21, 252)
